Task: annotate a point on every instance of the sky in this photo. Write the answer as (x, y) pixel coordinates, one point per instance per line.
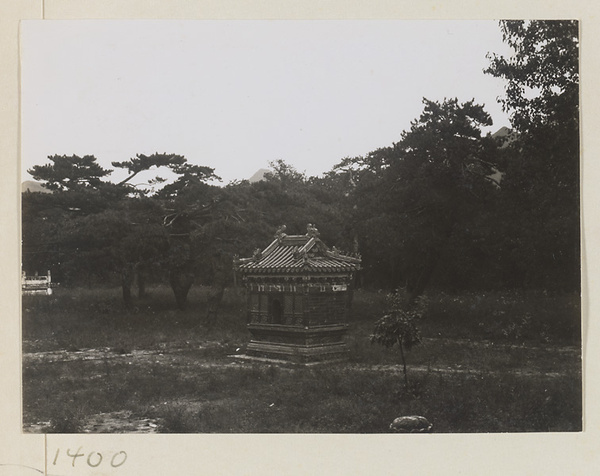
(236, 95)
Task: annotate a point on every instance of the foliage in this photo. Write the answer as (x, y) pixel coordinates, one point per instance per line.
(190, 177)
(444, 206)
(69, 172)
(540, 202)
(141, 163)
(94, 231)
(399, 324)
(409, 199)
(543, 74)
(285, 173)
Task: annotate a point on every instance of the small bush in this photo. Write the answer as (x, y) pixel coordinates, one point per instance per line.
(399, 325)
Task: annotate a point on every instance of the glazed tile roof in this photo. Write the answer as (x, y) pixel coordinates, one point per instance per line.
(298, 253)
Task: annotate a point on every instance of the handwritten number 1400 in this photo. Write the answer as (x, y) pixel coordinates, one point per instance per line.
(94, 458)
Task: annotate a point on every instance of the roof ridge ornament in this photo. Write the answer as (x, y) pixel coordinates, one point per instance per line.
(351, 257)
(298, 254)
(312, 231)
(279, 234)
(305, 258)
(257, 255)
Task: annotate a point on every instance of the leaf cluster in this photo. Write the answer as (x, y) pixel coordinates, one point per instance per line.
(70, 172)
(542, 76)
(399, 325)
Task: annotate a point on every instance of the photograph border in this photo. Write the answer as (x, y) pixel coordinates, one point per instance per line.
(299, 454)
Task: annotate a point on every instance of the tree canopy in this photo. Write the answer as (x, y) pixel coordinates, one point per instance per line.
(540, 207)
(542, 76)
(410, 197)
(445, 205)
(69, 172)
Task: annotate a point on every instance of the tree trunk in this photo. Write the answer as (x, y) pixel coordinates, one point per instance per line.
(213, 306)
(126, 282)
(126, 294)
(403, 362)
(181, 282)
(141, 282)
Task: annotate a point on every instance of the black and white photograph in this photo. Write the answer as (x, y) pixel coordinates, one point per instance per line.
(300, 226)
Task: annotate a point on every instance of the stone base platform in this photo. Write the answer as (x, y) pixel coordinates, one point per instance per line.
(301, 354)
(281, 363)
(297, 344)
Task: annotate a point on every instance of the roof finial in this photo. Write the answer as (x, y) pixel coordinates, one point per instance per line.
(279, 234)
(257, 255)
(312, 231)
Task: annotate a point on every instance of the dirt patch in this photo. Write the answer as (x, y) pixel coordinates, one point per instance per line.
(193, 358)
(119, 422)
(112, 422)
(193, 363)
(104, 353)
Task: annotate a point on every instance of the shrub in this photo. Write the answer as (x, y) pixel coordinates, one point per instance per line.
(399, 324)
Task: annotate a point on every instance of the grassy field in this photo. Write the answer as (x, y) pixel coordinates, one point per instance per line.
(488, 363)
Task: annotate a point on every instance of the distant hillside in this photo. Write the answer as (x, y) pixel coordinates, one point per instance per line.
(32, 186)
(258, 175)
(506, 134)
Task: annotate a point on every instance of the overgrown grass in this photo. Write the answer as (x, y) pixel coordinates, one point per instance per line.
(488, 363)
(84, 318)
(530, 317)
(328, 399)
